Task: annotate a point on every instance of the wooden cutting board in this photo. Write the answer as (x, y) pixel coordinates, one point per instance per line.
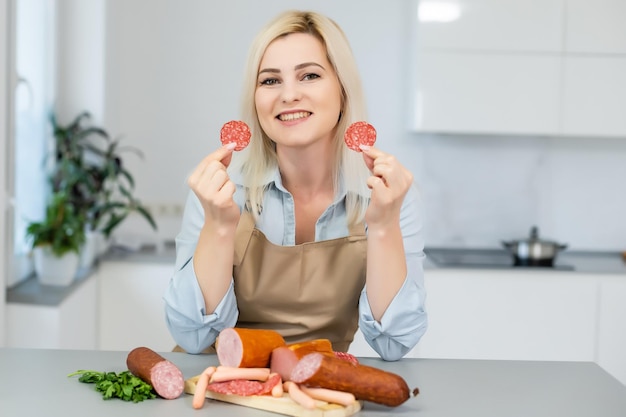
(283, 405)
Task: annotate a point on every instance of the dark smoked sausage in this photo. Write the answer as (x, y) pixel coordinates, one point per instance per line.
(364, 382)
(166, 379)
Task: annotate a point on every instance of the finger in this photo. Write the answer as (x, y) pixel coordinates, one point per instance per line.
(370, 155)
(223, 154)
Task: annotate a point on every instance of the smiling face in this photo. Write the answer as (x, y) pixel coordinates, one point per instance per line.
(298, 95)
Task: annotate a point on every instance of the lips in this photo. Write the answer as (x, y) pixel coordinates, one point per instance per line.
(289, 117)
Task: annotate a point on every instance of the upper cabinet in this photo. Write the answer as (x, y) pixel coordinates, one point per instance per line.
(531, 67)
(595, 27)
(491, 25)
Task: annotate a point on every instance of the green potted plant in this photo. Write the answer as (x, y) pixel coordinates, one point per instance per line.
(57, 240)
(89, 165)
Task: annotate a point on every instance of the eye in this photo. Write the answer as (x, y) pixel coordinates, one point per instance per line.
(310, 76)
(269, 81)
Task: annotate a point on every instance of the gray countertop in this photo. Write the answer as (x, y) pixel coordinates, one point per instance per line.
(588, 262)
(31, 292)
(35, 383)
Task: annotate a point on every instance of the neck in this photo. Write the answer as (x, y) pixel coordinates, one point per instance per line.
(306, 172)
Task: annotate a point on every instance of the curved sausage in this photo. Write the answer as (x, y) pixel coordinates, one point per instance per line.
(166, 379)
(365, 382)
(247, 348)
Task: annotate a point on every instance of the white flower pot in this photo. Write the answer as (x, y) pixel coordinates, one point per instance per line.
(89, 250)
(54, 270)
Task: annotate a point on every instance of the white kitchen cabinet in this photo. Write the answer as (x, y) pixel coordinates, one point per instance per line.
(612, 326)
(69, 325)
(493, 25)
(487, 93)
(517, 315)
(594, 95)
(596, 26)
(131, 306)
(555, 68)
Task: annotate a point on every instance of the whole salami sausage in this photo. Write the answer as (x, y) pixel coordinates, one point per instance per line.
(166, 379)
(247, 348)
(364, 382)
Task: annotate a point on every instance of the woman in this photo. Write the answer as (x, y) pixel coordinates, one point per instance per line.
(300, 234)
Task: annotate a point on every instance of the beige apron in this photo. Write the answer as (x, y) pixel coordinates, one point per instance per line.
(304, 292)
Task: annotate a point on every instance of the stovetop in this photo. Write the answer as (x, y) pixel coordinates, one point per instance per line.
(481, 258)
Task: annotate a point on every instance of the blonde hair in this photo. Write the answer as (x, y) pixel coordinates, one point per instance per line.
(260, 160)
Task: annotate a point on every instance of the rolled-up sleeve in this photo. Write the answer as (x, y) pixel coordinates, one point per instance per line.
(185, 312)
(405, 321)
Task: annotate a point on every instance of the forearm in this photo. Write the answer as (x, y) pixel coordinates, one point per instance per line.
(213, 263)
(386, 267)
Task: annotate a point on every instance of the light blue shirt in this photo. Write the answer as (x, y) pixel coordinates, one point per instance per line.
(400, 328)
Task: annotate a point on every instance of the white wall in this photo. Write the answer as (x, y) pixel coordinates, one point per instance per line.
(4, 25)
(173, 74)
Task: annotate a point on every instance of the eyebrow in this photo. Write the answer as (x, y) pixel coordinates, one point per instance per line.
(297, 67)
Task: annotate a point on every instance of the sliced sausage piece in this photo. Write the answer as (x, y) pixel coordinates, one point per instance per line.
(359, 133)
(235, 131)
(247, 348)
(284, 358)
(166, 379)
(236, 387)
(282, 362)
(365, 382)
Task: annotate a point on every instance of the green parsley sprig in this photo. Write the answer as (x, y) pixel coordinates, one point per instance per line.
(124, 385)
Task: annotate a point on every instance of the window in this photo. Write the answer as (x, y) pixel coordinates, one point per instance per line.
(32, 103)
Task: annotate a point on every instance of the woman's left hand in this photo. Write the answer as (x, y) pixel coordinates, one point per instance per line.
(389, 183)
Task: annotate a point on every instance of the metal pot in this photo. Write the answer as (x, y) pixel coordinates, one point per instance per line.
(534, 251)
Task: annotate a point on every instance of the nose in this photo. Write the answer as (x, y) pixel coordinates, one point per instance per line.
(290, 92)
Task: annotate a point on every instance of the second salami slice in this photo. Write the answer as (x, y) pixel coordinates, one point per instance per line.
(359, 133)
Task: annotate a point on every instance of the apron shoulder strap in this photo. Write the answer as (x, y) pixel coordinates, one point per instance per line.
(242, 237)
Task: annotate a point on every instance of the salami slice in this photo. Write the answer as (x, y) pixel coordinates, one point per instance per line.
(235, 131)
(166, 379)
(359, 133)
(236, 387)
(268, 385)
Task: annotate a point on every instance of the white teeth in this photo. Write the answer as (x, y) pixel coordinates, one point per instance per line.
(294, 116)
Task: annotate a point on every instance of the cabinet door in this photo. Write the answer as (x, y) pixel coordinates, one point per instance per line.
(487, 93)
(485, 314)
(612, 327)
(594, 96)
(494, 25)
(131, 306)
(596, 26)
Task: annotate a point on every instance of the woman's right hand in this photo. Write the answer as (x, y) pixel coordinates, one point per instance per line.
(213, 187)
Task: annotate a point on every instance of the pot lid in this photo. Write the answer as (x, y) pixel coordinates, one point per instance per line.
(534, 238)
